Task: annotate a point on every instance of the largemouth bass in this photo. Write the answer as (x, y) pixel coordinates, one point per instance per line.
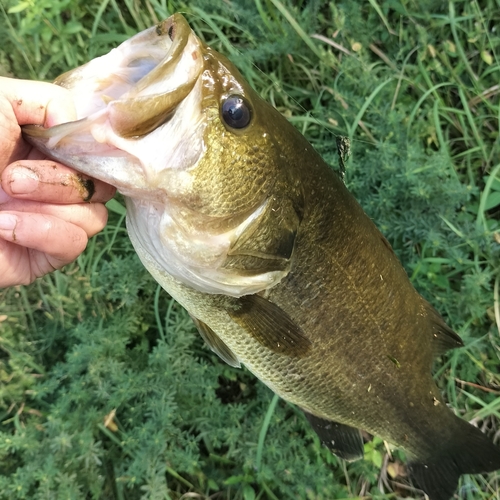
(241, 221)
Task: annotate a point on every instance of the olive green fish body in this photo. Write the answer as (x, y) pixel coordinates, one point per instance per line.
(240, 220)
(350, 296)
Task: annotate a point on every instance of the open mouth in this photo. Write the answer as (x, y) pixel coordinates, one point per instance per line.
(132, 90)
(138, 111)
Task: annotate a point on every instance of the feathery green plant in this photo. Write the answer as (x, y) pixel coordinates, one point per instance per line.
(106, 391)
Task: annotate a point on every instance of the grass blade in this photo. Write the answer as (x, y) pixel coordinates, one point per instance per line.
(263, 431)
(296, 26)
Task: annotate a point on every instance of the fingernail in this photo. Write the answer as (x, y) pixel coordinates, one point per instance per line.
(23, 180)
(8, 222)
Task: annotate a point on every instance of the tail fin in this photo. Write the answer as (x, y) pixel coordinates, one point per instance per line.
(471, 452)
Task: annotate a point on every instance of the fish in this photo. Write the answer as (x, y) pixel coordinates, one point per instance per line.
(242, 222)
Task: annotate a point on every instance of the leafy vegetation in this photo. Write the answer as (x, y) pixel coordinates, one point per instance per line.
(106, 390)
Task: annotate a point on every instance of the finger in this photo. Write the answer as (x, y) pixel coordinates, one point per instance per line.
(23, 102)
(14, 266)
(62, 240)
(12, 146)
(51, 182)
(90, 217)
(21, 265)
(39, 103)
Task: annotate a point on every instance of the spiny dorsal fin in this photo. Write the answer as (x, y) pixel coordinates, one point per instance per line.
(342, 440)
(443, 337)
(270, 325)
(216, 343)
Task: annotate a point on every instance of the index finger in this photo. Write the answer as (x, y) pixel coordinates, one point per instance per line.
(51, 182)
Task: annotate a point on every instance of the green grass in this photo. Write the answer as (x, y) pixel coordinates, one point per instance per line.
(106, 390)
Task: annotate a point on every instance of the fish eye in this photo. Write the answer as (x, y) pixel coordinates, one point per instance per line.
(236, 112)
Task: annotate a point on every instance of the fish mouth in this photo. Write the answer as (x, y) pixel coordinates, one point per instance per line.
(123, 97)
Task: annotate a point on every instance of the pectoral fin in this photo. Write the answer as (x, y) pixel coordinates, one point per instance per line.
(215, 343)
(271, 236)
(270, 325)
(342, 440)
(268, 242)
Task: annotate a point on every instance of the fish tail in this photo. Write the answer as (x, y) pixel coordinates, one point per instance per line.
(470, 452)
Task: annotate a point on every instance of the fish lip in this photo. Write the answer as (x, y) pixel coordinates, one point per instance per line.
(111, 93)
(178, 30)
(120, 106)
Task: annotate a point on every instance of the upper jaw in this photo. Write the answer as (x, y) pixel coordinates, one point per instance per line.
(122, 98)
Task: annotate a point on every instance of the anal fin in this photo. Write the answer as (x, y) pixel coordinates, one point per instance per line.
(342, 440)
(216, 343)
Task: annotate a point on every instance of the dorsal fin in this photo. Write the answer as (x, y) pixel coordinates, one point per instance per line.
(342, 440)
(270, 325)
(216, 343)
(443, 337)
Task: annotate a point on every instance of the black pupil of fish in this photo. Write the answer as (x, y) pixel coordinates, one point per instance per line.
(236, 112)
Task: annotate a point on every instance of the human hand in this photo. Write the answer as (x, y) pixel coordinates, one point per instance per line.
(45, 221)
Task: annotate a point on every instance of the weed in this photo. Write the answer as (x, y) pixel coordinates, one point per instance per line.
(106, 390)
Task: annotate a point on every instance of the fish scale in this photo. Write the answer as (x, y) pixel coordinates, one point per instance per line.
(246, 226)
